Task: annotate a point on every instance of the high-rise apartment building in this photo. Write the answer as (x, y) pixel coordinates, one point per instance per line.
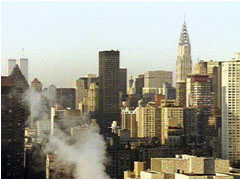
(149, 121)
(14, 114)
(128, 121)
(109, 68)
(184, 62)
(171, 125)
(231, 110)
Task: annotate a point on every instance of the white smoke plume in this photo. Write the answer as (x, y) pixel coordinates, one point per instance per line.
(83, 159)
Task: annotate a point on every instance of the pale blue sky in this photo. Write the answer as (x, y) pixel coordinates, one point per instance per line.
(62, 39)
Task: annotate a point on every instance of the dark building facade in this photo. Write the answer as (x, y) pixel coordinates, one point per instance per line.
(181, 94)
(139, 84)
(14, 113)
(66, 97)
(109, 89)
(123, 80)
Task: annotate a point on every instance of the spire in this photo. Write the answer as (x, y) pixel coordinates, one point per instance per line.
(184, 37)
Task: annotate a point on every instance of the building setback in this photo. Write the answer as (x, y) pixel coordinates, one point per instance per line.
(109, 68)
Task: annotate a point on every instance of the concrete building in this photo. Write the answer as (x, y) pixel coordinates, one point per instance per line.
(184, 62)
(14, 114)
(181, 93)
(198, 91)
(66, 97)
(182, 167)
(171, 126)
(36, 85)
(231, 110)
(109, 65)
(128, 121)
(149, 121)
(154, 80)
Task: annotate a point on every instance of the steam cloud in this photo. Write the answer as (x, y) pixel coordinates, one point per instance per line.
(83, 158)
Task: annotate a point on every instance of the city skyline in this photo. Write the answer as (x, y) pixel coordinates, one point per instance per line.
(140, 40)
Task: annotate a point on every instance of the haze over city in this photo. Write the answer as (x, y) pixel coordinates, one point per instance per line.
(62, 39)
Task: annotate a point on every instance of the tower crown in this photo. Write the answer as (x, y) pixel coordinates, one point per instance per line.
(184, 37)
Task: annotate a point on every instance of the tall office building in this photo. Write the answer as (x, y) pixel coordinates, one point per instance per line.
(214, 71)
(80, 86)
(14, 114)
(149, 121)
(109, 68)
(154, 80)
(123, 80)
(231, 110)
(184, 62)
(11, 63)
(93, 97)
(198, 91)
(22, 64)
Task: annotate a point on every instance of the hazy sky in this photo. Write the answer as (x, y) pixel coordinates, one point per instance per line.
(62, 39)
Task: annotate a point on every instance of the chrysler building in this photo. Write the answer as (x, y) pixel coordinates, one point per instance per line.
(184, 62)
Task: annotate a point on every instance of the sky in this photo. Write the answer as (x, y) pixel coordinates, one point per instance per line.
(62, 39)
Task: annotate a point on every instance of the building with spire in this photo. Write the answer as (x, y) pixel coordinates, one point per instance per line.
(184, 62)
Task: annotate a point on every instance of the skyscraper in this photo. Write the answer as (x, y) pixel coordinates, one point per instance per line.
(184, 62)
(109, 68)
(14, 116)
(23, 65)
(198, 91)
(231, 110)
(154, 80)
(123, 80)
(11, 64)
